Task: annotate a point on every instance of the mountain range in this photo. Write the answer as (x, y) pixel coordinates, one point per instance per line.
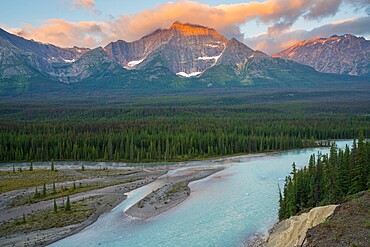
(346, 54)
(179, 55)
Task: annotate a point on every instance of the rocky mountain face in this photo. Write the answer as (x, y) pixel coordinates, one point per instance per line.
(345, 54)
(186, 49)
(26, 58)
(182, 51)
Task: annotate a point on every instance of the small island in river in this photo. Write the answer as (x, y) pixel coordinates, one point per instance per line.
(33, 211)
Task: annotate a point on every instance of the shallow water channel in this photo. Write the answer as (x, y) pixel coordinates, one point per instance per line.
(224, 209)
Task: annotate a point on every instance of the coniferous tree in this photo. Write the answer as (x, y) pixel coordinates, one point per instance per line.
(36, 194)
(68, 205)
(282, 208)
(326, 181)
(31, 167)
(55, 206)
(360, 174)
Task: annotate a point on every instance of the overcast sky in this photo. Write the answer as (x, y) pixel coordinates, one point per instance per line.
(267, 25)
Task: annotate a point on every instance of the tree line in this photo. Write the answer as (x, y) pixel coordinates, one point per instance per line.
(328, 179)
(168, 139)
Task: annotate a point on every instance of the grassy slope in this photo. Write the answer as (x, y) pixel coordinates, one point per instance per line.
(348, 226)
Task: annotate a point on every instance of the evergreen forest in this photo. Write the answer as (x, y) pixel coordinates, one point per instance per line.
(328, 179)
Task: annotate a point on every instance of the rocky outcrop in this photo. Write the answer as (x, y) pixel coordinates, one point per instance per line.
(346, 54)
(292, 232)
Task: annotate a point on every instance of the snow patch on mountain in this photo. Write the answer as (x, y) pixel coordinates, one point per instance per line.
(212, 46)
(134, 63)
(184, 74)
(69, 61)
(209, 58)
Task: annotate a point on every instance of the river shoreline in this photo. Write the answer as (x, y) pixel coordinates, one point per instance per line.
(102, 200)
(218, 162)
(109, 198)
(174, 192)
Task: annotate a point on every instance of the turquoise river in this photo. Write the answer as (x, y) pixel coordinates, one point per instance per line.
(224, 209)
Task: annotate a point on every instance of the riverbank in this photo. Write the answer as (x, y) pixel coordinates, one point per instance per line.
(346, 224)
(42, 226)
(175, 191)
(16, 232)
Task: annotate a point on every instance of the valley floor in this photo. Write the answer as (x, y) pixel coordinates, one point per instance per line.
(101, 191)
(34, 222)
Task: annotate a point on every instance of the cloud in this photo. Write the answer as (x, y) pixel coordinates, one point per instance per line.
(80, 4)
(322, 9)
(66, 34)
(277, 15)
(273, 44)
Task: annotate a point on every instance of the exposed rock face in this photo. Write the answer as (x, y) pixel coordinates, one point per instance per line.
(25, 58)
(94, 62)
(183, 48)
(345, 54)
(292, 232)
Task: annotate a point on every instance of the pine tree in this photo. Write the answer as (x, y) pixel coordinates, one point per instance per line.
(55, 206)
(52, 166)
(37, 194)
(68, 205)
(13, 168)
(359, 179)
(327, 181)
(282, 209)
(31, 167)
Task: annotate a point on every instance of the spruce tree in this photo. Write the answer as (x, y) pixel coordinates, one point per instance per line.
(52, 166)
(359, 178)
(282, 209)
(31, 167)
(327, 181)
(37, 194)
(68, 205)
(55, 206)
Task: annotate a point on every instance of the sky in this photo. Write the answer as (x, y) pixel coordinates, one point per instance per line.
(266, 25)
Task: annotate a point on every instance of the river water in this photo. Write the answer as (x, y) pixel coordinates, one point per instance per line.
(224, 209)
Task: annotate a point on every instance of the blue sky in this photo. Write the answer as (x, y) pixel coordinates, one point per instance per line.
(30, 18)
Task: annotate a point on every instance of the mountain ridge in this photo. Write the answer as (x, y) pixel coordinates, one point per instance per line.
(345, 54)
(184, 55)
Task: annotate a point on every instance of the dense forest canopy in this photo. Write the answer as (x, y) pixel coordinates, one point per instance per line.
(327, 179)
(173, 129)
